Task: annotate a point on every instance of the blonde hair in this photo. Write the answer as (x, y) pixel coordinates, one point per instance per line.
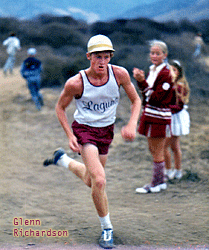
(180, 80)
(160, 44)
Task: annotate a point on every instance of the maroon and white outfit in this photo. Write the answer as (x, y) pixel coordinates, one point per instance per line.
(157, 91)
(180, 121)
(156, 117)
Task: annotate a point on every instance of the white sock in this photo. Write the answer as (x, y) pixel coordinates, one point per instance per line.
(64, 161)
(105, 222)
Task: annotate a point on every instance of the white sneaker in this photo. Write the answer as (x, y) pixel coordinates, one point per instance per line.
(170, 174)
(143, 190)
(178, 174)
(163, 186)
(148, 189)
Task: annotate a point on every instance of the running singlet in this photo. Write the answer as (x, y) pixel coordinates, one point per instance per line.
(97, 105)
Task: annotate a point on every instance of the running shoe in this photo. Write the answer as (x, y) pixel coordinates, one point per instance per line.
(106, 239)
(58, 153)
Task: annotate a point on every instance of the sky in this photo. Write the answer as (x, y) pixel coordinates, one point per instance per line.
(96, 12)
(89, 10)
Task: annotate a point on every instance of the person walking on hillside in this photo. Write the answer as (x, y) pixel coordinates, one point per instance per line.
(96, 93)
(13, 45)
(156, 117)
(198, 42)
(31, 71)
(180, 121)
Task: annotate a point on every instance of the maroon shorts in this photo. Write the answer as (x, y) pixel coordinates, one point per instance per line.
(100, 137)
(154, 129)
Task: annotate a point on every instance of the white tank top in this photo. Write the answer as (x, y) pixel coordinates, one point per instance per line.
(97, 105)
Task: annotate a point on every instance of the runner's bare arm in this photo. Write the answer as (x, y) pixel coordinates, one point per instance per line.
(73, 87)
(128, 132)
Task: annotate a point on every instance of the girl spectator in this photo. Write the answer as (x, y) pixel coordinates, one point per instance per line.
(156, 117)
(180, 121)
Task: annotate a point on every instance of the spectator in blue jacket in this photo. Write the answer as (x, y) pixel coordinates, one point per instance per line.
(31, 71)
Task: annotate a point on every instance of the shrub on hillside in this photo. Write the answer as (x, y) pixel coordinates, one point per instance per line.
(52, 71)
(57, 69)
(203, 26)
(8, 25)
(46, 19)
(103, 28)
(187, 26)
(57, 35)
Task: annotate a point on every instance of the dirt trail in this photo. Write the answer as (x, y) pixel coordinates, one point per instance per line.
(174, 219)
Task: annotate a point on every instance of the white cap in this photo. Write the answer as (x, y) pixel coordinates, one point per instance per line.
(177, 62)
(99, 43)
(32, 51)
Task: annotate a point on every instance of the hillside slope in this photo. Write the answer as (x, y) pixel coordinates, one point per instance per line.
(60, 200)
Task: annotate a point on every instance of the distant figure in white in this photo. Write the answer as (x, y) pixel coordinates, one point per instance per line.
(13, 45)
(198, 41)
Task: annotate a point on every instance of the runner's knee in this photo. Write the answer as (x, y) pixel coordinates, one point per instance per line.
(100, 182)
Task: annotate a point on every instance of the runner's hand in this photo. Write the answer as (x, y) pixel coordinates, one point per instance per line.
(128, 133)
(73, 144)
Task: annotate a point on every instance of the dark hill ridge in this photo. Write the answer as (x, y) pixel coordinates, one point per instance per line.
(61, 44)
(164, 10)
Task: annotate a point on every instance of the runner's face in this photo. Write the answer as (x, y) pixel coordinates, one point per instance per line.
(157, 56)
(99, 61)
